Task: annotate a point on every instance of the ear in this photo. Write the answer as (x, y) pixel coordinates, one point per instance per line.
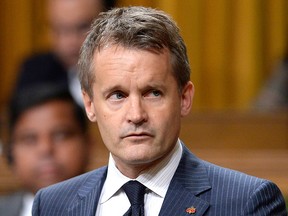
(187, 98)
(89, 106)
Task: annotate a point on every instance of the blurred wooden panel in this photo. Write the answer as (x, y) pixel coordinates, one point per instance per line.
(236, 130)
(215, 53)
(276, 34)
(15, 18)
(248, 51)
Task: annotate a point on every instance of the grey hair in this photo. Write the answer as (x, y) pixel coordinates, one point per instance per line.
(138, 28)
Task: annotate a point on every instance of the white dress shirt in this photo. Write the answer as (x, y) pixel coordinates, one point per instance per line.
(113, 200)
(27, 205)
(75, 86)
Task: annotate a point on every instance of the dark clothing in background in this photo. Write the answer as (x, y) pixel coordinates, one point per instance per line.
(40, 69)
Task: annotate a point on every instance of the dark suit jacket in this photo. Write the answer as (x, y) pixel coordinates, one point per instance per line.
(40, 69)
(210, 189)
(11, 205)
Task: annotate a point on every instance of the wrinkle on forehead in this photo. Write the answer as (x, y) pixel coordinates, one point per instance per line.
(115, 57)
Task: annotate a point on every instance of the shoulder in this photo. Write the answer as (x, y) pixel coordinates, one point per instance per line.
(70, 186)
(232, 191)
(233, 181)
(62, 195)
(217, 175)
(254, 195)
(226, 175)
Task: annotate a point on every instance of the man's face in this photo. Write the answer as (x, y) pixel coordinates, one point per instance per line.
(48, 145)
(137, 105)
(69, 22)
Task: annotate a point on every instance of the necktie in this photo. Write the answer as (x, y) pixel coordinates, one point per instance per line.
(135, 192)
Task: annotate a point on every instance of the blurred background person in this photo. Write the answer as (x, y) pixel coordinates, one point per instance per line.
(48, 143)
(274, 94)
(68, 22)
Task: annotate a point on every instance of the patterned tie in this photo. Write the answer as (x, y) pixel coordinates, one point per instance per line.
(135, 192)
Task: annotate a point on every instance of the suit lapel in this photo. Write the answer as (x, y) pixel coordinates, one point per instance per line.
(190, 180)
(88, 194)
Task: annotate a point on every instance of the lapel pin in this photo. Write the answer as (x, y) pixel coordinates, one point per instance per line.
(191, 210)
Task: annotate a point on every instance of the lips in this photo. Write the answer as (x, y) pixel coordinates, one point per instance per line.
(142, 134)
(48, 169)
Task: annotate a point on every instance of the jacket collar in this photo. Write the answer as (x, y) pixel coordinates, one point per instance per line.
(189, 181)
(88, 194)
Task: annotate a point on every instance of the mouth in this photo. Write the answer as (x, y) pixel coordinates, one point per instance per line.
(48, 170)
(138, 138)
(137, 135)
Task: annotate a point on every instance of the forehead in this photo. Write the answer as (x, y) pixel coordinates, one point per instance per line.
(119, 66)
(116, 57)
(73, 11)
(52, 111)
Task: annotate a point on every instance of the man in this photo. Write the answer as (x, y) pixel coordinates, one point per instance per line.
(134, 74)
(48, 144)
(69, 22)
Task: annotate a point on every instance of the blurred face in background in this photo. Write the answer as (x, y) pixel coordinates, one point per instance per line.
(48, 145)
(69, 22)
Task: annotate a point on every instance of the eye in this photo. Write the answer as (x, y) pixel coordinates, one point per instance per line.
(153, 93)
(117, 95)
(26, 140)
(61, 135)
(156, 93)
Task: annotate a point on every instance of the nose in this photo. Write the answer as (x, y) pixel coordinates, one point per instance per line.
(45, 146)
(70, 41)
(136, 112)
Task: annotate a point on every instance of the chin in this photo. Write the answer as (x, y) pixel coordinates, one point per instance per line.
(142, 158)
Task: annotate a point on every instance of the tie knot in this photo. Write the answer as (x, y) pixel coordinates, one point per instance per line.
(135, 192)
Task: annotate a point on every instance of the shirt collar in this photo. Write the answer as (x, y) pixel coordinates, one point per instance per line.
(157, 179)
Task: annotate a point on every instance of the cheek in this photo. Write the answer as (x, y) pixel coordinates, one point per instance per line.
(22, 156)
(74, 155)
(168, 122)
(23, 164)
(108, 127)
(167, 116)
